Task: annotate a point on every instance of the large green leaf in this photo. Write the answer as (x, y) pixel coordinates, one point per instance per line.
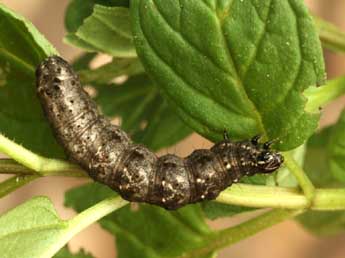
(107, 30)
(147, 231)
(22, 48)
(144, 114)
(235, 65)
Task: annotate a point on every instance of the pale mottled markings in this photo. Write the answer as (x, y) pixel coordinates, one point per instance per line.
(109, 156)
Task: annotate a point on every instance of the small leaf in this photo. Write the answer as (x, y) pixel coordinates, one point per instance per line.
(33, 229)
(235, 65)
(336, 149)
(325, 159)
(66, 253)
(144, 114)
(83, 61)
(30, 229)
(22, 48)
(107, 30)
(324, 222)
(323, 163)
(317, 160)
(78, 10)
(139, 230)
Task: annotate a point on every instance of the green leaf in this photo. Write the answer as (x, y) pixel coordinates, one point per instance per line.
(325, 158)
(323, 162)
(30, 229)
(316, 160)
(107, 30)
(144, 114)
(235, 65)
(22, 48)
(324, 222)
(83, 61)
(145, 231)
(336, 149)
(33, 229)
(66, 253)
(78, 10)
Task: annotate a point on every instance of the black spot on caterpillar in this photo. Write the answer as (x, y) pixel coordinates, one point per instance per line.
(137, 174)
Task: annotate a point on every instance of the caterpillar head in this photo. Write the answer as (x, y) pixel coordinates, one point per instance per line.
(268, 161)
(260, 158)
(247, 157)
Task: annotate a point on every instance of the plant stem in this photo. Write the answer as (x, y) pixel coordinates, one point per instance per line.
(85, 219)
(330, 35)
(305, 183)
(9, 166)
(41, 165)
(94, 213)
(15, 182)
(237, 233)
(279, 197)
(321, 96)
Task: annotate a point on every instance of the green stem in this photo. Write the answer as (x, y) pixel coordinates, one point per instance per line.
(321, 96)
(41, 165)
(330, 35)
(94, 213)
(9, 166)
(237, 233)
(14, 183)
(278, 197)
(304, 182)
(85, 219)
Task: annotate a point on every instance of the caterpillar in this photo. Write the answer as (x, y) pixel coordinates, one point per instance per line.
(110, 157)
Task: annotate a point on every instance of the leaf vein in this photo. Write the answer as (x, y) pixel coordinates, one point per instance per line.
(240, 84)
(113, 28)
(17, 60)
(259, 42)
(182, 37)
(182, 78)
(60, 226)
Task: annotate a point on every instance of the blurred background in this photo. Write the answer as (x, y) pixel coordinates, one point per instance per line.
(286, 240)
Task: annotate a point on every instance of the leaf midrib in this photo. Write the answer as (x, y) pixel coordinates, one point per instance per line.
(236, 78)
(235, 72)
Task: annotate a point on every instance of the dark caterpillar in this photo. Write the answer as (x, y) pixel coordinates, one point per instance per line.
(137, 174)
